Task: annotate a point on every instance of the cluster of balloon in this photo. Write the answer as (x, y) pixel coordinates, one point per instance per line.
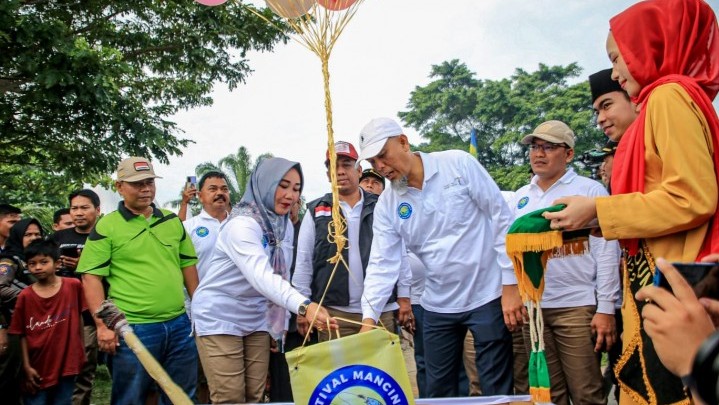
(336, 5)
(290, 8)
(297, 8)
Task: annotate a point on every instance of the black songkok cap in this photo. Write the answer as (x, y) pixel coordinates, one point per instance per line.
(601, 83)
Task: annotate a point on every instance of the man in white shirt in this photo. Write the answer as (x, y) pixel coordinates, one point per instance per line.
(579, 290)
(214, 195)
(313, 271)
(446, 209)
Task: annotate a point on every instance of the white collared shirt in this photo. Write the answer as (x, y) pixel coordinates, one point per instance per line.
(418, 274)
(572, 281)
(456, 225)
(304, 268)
(232, 296)
(203, 230)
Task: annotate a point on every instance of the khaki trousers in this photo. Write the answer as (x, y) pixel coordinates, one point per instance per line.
(470, 366)
(236, 367)
(407, 343)
(574, 368)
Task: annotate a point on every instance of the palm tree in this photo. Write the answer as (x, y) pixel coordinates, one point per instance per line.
(237, 167)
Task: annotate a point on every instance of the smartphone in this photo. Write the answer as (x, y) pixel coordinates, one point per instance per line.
(191, 182)
(69, 251)
(703, 277)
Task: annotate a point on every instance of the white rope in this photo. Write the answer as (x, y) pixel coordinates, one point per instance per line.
(540, 327)
(532, 327)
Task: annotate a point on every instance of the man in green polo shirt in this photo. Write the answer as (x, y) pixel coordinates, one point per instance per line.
(145, 256)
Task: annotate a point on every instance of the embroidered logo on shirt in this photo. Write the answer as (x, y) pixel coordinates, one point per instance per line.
(4, 269)
(202, 231)
(404, 210)
(322, 211)
(522, 202)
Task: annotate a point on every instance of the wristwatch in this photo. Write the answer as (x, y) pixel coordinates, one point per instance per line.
(302, 310)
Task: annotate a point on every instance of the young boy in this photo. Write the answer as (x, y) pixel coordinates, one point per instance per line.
(47, 318)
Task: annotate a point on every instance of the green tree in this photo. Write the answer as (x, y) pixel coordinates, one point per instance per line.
(502, 111)
(83, 83)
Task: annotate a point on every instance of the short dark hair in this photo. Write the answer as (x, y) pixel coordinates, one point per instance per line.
(87, 193)
(42, 247)
(211, 175)
(57, 216)
(7, 209)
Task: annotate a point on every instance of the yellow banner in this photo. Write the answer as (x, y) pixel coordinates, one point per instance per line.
(367, 368)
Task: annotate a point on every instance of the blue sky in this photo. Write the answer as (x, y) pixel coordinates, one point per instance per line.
(387, 50)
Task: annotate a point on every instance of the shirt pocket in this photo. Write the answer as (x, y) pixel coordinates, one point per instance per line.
(455, 203)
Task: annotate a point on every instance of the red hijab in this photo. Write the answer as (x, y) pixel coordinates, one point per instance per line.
(667, 41)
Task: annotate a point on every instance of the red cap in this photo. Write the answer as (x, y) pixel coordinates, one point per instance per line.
(343, 148)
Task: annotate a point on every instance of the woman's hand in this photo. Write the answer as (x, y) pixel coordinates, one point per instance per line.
(322, 317)
(579, 213)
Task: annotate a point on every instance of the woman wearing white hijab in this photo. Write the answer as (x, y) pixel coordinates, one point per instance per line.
(240, 303)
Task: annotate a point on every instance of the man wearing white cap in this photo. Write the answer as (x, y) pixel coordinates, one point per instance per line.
(314, 275)
(579, 290)
(448, 211)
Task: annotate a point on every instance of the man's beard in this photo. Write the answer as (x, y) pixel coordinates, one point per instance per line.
(400, 184)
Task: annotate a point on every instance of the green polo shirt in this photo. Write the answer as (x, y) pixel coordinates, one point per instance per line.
(142, 261)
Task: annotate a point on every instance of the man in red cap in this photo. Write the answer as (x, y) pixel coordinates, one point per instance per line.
(313, 271)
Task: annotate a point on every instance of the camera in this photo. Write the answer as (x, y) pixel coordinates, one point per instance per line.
(592, 159)
(704, 377)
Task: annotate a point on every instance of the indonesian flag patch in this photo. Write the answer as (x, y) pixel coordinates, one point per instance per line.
(142, 166)
(322, 211)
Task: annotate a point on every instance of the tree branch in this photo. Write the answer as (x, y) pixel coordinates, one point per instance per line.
(91, 25)
(11, 85)
(163, 48)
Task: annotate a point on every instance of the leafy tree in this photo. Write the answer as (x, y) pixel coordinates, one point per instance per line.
(42, 214)
(502, 112)
(83, 83)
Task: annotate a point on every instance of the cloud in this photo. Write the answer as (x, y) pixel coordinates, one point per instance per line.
(383, 54)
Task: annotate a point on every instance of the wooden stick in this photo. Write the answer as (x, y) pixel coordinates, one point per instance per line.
(115, 320)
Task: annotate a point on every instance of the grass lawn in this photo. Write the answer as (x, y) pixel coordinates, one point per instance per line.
(102, 387)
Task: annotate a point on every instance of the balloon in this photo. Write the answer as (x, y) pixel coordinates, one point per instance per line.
(211, 3)
(336, 5)
(290, 8)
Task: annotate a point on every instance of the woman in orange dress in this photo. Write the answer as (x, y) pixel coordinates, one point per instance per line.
(665, 54)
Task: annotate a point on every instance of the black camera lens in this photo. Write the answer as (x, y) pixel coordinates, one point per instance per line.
(705, 372)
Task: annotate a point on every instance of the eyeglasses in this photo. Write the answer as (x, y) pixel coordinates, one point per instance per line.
(546, 147)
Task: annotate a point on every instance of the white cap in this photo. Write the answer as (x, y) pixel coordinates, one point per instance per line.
(375, 134)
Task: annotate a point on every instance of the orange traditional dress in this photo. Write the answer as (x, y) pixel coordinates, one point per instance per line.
(664, 180)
